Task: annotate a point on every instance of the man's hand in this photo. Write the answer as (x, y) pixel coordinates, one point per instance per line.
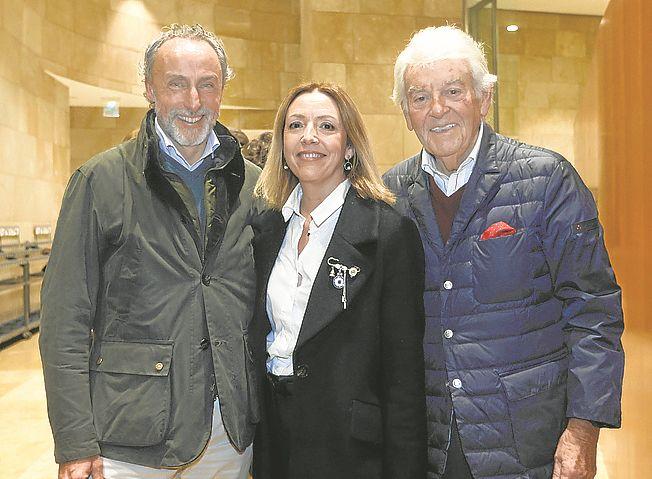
(576, 451)
(82, 468)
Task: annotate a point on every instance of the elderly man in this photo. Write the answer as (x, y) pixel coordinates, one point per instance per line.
(524, 361)
(149, 289)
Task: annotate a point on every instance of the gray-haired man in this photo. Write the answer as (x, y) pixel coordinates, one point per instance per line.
(148, 292)
(523, 314)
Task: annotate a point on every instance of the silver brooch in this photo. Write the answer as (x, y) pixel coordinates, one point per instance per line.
(339, 273)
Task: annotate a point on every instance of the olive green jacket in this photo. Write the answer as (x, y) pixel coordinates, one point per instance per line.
(143, 317)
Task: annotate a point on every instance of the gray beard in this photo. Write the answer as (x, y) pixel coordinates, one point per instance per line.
(181, 137)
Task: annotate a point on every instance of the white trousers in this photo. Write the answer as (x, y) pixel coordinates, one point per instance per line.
(218, 461)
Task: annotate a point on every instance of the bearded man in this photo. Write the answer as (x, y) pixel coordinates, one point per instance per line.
(149, 288)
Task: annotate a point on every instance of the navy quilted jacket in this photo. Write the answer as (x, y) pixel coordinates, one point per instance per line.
(522, 331)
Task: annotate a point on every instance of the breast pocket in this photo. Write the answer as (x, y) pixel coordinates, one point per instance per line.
(130, 392)
(502, 269)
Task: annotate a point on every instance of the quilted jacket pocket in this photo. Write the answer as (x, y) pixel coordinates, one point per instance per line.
(130, 391)
(502, 269)
(536, 400)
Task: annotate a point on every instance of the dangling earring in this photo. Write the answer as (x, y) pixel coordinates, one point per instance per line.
(348, 166)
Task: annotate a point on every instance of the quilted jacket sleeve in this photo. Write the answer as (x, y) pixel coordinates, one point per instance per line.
(584, 281)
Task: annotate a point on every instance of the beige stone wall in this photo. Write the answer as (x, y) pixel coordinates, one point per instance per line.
(355, 43)
(542, 69)
(100, 42)
(92, 133)
(34, 136)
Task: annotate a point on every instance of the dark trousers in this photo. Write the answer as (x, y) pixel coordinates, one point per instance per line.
(281, 413)
(456, 465)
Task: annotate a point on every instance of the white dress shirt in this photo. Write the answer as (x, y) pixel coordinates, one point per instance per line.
(458, 178)
(166, 145)
(293, 274)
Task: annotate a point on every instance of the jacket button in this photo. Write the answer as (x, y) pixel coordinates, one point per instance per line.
(204, 343)
(99, 361)
(159, 366)
(457, 383)
(448, 333)
(206, 279)
(302, 371)
(448, 284)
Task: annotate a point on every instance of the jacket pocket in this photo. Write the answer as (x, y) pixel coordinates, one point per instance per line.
(366, 422)
(502, 269)
(536, 401)
(130, 391)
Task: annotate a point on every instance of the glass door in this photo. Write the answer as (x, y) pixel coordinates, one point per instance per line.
(481, 24)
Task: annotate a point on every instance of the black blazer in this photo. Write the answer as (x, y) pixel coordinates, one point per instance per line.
(359, 373)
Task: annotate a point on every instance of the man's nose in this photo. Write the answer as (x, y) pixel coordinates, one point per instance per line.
(192, 99)
(438, 107)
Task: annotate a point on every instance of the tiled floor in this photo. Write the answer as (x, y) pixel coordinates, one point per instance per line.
(26, 445)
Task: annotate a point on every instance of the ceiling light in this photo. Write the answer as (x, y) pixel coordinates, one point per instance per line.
(111, 109)
(512, 28)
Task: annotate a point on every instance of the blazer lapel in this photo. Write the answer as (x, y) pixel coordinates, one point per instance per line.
(269, 231)
(353, 244)
(482, 185)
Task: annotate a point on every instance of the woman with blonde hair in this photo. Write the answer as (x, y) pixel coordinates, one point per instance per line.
(339, 317)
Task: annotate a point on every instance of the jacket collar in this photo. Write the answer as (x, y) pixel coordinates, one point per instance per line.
(481, 187)
(229, 160)
(353, 244)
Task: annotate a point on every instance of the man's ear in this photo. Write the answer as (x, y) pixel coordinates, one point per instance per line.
(485, 101)
(408, 122)
(149, 93)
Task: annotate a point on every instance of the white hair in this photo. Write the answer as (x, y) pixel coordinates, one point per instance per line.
(441, 43)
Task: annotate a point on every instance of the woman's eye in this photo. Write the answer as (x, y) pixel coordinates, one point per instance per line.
(293, 125)
(328, 126)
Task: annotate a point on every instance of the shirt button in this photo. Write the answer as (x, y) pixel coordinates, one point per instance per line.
(457, 383)
(204, 343)
(206, 279)
(159, 366)
(448, 284)
(448, 333)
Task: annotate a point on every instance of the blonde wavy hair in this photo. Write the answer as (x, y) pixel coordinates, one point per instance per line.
(275, 183)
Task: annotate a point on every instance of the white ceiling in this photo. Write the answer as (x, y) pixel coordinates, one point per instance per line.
(83, 94)
(574, 7)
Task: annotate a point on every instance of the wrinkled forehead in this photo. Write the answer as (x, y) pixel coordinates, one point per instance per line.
(181, 52)
(437, 74)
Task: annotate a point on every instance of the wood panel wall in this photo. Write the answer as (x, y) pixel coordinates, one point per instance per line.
(613, 148)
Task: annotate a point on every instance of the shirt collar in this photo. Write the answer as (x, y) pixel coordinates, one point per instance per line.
(429, 163)
(326, 208)
(166, 145)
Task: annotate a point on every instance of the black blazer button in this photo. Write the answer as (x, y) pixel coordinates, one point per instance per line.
(206, 279)
(302, 371)
(204, 343)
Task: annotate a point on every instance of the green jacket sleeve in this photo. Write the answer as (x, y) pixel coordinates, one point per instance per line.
(68, 302)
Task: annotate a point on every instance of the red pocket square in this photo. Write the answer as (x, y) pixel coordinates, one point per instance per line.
(497, 230)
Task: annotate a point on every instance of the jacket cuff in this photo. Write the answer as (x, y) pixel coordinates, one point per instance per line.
(73, 445)
(598, 420)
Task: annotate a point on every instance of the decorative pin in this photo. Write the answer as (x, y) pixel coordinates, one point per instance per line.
(339, 273)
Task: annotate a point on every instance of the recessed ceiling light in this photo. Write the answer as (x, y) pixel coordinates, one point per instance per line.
(512, 28)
